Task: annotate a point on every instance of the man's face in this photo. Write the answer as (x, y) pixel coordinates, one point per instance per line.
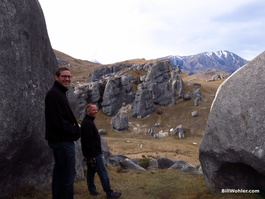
(64, 79)
(92, 111)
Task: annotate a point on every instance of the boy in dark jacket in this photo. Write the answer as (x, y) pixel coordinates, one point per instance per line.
(91, 148)
(61, 131)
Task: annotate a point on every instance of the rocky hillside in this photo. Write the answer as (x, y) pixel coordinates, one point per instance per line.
(168, 117)
(209, 61)
(203, 65)
(138, 88)
(82, 68)
(94, 79)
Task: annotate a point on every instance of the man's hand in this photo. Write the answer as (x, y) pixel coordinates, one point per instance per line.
(90, 160)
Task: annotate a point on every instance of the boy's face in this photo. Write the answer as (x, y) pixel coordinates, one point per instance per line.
(64, 79)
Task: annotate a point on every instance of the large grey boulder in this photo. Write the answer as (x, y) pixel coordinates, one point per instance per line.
(184, 166)
(111, 97)
(175, 84)
(95, 92)
(129, 164)
(143, 104)
(117, 90)
(27, 67)
(120, 122)
(197, 96)
(180, 131)
(104, 71)
(88, 93)
(232, 151)
(105, 150)
(164, 163)
(157, 71)
(99, 73)
(115, 160)
(164, 81)
(27, 70)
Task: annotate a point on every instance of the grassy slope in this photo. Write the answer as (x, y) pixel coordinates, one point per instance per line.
(155, 184)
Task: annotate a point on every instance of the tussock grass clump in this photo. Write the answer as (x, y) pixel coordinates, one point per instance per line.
(144, 162)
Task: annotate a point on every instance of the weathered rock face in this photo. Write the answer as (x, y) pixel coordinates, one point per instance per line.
(120, 122)
(164, 163)
(27, 68)
(184, 166)
(129, 164)
(116, 91)
(160, 84)
(99, 73)
(232, 151)
(179, 130)
(164, 83)
(143, 104)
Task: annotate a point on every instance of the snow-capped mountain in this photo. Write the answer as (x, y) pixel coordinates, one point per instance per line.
(95, 61)
(203, 62)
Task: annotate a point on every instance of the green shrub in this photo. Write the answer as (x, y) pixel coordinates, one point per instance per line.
(144, 162)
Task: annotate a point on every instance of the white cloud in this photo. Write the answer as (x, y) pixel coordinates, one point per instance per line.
(116, 30)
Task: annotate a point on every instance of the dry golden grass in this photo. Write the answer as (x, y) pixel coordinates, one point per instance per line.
(152, 184)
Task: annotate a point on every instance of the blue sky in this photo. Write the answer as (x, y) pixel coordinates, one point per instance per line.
(116, 30)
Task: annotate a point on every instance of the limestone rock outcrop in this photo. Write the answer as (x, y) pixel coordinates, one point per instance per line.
(232, 151)
(116, 91)
(120, 122)
(159, 83)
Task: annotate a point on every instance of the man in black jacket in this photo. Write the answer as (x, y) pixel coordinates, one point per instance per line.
(91, 148)
(61, 131)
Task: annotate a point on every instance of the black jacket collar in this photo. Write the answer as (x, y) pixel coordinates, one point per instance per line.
(58, 85)
(91, 118)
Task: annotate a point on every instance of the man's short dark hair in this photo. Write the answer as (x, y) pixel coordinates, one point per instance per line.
(59, 70)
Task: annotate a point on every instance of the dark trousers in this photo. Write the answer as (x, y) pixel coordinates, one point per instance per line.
(101, 170)
(64, 170)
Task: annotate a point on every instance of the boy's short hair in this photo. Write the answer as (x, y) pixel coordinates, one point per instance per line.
(59, 70)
